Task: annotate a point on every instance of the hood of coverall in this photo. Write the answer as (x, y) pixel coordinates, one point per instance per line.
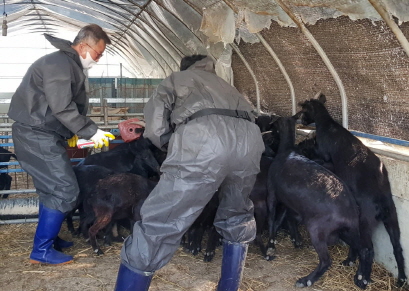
(63, 45)
(206, 64)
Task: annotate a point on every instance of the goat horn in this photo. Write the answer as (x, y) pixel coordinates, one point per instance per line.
(317, 95)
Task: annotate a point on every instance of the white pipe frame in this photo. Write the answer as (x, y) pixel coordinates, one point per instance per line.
(324, 57)
(380, 8)
(282, 69)
(236, 49)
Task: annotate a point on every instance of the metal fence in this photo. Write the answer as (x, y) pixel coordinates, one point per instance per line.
(112, 100)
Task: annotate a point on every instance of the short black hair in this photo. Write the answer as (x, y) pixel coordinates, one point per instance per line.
(187, 61)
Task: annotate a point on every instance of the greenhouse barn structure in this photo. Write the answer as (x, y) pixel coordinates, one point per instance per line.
(277, 53)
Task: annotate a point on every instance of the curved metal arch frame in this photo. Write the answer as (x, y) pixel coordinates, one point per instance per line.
(121, 29)
(153, 29)
(324, 57)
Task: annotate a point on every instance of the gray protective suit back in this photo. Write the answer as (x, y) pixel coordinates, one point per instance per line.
(208, 153)
(184, 93)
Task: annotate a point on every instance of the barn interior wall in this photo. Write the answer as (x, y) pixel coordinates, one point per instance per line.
(374, 70)
(366, 55)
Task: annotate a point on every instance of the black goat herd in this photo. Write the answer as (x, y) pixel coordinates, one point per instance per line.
(332, 183)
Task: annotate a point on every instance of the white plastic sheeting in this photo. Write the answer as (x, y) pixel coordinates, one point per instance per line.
(153, 35)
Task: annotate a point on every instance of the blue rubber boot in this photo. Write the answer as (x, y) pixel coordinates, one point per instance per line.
(128, 280)
(49, 224)
(234, 257)
(59, 243)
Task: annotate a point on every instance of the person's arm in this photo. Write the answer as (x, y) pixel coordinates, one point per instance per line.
(157, 114)
(58, 93)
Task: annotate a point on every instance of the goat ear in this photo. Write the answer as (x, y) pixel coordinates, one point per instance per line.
(274, 118)
(322, 98)
(297, 115)
(317, 96)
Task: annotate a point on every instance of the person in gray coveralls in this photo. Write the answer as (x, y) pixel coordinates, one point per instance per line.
(49, 107)
(208, 130)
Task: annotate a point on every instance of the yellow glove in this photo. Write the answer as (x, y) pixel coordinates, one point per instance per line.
(102, 138)
(72, 142)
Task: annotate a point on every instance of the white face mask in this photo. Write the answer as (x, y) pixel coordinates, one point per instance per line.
(88, 62)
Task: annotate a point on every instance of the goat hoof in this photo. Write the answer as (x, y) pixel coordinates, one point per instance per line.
(402, 282)
(360, 281)
(195, 252)
(348, 263)
(270, 257)
(208, 257)
(98, 252)
(270, 253)
(303, 282)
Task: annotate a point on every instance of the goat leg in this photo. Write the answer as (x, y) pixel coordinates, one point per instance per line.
(321, 248)
(101, 221)
(392, 227)
(212, 242)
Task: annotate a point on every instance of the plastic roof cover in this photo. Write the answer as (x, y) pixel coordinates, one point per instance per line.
(153, 35)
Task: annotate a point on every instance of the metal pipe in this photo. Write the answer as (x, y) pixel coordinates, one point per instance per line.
(324, 57)
(379, 6)
(389, 154)
(26, 220)
(24, 191)
(282, 69)
(105, 107)
(15, 221)
(236, 49)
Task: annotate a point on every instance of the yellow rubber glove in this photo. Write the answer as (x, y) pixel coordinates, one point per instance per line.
(102, 138)
(72, 142)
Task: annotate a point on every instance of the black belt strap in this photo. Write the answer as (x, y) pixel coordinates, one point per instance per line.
(219, 111)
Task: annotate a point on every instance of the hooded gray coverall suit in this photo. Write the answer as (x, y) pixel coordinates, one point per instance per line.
(49, 106)
(204, 154)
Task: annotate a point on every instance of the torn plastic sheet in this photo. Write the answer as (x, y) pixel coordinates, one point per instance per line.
(223, 65)
(218, 23)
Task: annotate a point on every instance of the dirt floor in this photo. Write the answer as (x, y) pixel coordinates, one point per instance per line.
(185, 272)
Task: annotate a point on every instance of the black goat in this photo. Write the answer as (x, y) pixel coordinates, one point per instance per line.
(308, 148)
(258, 196)
(322, 200)
(5, 156)
(118, 196)
(192, 239)
(366, 177)
(87, 177)
(139, 157)
(270, 138)
(5, 183)
(265, 122)
(5, 179)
